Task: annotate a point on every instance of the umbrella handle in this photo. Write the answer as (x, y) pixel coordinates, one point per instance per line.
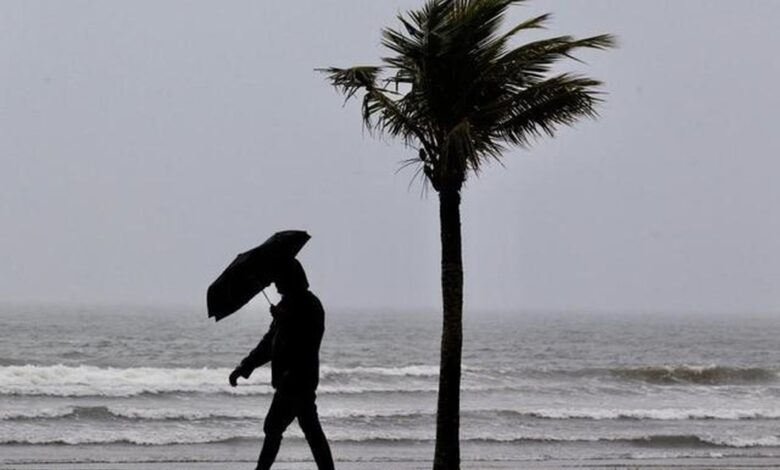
(266, 298)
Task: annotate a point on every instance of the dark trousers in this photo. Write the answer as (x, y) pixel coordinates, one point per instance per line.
(285, 407)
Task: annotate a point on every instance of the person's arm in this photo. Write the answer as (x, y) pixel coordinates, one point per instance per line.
(256, 358)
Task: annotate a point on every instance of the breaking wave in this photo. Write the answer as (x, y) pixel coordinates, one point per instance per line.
(405, 371)
(154, 414)
(68, 381)
(103, 413)
(82, 381)
(661, 414)
(698, 375)
(224, 436)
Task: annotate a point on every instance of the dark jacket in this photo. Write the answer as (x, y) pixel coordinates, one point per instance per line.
(292, 344)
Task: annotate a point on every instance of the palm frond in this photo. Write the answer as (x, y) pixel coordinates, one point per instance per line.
(541, 109)
(380, 111)
(352, 80)
(536, 58)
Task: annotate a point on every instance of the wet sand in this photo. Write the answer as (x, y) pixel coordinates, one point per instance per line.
(660, 464)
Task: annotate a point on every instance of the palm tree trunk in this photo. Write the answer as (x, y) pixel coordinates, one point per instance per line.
(447, 454)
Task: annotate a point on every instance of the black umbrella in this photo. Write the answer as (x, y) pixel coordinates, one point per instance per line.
(251, 272)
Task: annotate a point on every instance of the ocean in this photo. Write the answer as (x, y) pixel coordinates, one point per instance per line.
(136, 384)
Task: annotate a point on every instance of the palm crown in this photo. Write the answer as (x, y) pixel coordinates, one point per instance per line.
(457, 89)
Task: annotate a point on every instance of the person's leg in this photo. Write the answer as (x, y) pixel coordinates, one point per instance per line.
(310, 424)
(280, 415)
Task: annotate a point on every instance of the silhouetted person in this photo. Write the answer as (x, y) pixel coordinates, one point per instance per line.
(292, 345)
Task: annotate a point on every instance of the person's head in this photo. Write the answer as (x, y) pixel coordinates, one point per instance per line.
(290, 277)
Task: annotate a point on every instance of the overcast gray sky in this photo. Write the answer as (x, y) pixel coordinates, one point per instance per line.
(144, 143)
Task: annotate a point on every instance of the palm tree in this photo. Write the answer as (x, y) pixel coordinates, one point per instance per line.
(457, 91)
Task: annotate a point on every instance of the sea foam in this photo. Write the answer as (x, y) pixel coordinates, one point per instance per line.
(84, 380)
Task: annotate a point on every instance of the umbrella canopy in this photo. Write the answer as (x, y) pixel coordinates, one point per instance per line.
(251, 272)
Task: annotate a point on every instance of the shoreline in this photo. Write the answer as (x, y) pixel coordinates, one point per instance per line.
(724, 463)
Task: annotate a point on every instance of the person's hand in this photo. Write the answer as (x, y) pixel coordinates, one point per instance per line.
(233, 379)
(275, 310)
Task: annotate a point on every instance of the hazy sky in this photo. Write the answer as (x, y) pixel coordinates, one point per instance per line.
(144, 143)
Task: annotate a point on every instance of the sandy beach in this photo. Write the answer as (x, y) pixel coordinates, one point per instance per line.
(655, 464)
